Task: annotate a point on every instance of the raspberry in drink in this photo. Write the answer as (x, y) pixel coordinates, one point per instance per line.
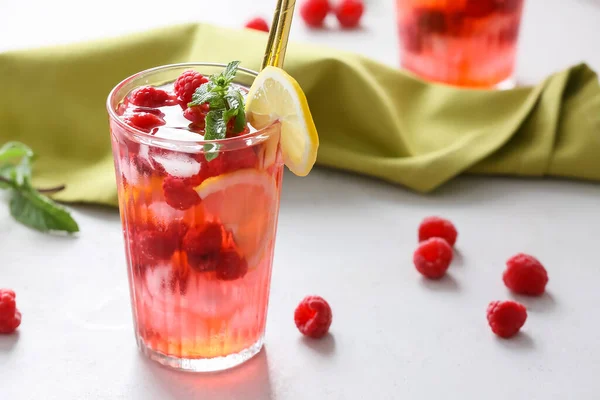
(470, 43)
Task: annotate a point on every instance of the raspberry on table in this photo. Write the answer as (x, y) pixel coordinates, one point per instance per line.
(258, 24)
(506, 318)
(437, 227)
(10, 317)
(433, 257)
(178, 194)
(149, 96)
(313, 12)
(349, 12)
(524, 274)
(313, 316)
(144, 121)
(231, 266)
(186, 84)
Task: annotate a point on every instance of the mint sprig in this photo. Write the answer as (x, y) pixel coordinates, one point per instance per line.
(28, 205)
(226, 102)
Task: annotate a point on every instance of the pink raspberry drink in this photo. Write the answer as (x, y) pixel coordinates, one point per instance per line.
(470, 43)
(199, 193)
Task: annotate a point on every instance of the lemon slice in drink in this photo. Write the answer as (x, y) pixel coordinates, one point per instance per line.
(245, 203)
(276, 96)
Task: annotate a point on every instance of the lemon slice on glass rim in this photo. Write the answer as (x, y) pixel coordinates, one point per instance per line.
(276, 96)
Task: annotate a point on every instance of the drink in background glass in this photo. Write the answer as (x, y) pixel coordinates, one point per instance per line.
(470, 43)
(199, 234)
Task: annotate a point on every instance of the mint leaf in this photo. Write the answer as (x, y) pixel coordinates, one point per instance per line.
(6, 180)
(216, 128)
(230, 71)
(13, 150)
(229, 113)
(39, 212)
(235, 100)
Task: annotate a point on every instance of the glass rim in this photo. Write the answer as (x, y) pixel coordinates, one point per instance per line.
(259, 133)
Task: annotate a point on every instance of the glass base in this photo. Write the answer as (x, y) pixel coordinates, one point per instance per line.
(202, 364)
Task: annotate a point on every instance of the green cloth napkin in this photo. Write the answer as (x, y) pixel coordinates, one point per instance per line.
(372, 119)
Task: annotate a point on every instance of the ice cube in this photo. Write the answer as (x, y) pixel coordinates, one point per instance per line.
(129, 171)
(178, 165)
(177, 134)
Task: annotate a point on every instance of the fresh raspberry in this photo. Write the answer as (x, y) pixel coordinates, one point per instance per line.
(437, 227)
(348, 13)
(506, 317)
(433, 257)
(8, 305)
(203, 245)
(197, 114)
(144, 121)
(154, 111)
(10, 317)
(186, 85)
(230, 129)
(258, 24)
(313, 12)
(149, 96)
(479, 8)
(524, 274)
(231, 266)
(154, 246)
(313, 316)
(178, 194)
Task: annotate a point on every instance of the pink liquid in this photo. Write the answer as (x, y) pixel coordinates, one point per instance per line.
(469, 43)
(184, 305)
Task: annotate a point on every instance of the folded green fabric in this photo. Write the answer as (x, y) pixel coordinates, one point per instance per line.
(372, 119)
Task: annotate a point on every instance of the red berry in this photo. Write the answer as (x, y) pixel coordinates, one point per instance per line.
(186, 84)
(10, 317)
(8, 305)
(178, 194)
(197, 114)
(154, 246)
(524, 274)
(144, 121)
(437, 227)
(204, 240)
(430, 20)
(506, 317)
(231, 266)
(313, 12)
(433, 257)
(348, 13)
(313, 316)
(258, 24)
(149, 96)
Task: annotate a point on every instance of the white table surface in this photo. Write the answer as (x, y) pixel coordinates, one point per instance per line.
(347, 238)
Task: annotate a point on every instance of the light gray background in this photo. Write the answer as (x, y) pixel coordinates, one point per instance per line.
(347, 238)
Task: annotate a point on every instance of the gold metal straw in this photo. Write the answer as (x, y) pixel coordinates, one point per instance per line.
(279, 34)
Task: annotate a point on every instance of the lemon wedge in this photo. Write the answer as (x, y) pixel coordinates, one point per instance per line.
(276, 96)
